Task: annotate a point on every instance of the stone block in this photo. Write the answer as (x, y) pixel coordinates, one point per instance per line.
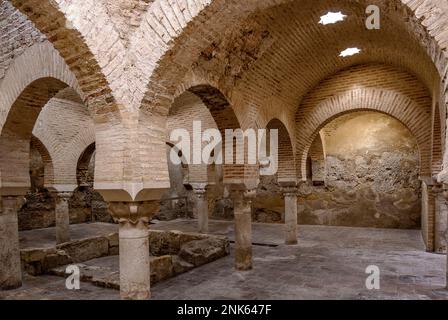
(86, 249)
(200, 252)
(161, 268)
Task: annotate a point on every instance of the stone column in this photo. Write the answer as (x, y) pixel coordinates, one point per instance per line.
(10, 269)
(201, 207)
(133, 219)
(290, 195)
(242, 206)
(445, 195)
(62, 217)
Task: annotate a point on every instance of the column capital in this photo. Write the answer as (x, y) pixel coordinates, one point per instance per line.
(290, 192)
(12, 203)
(445, 191)
(246, 194)
(134, 212)
(62, 195)
(199, 189)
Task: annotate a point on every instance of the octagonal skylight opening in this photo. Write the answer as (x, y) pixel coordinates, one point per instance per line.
(350, 52)
(332, 17)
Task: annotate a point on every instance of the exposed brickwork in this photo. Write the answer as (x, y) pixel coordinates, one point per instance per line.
(286, 172)
(165, 40)
(66, 129)
(17, 34)
(366, 87)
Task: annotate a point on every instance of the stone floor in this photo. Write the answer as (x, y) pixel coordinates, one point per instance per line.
(328, 263)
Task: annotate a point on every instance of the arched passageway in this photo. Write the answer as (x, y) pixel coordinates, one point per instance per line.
(235, 66)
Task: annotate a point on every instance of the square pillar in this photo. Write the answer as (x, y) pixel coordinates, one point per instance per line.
(10, 268)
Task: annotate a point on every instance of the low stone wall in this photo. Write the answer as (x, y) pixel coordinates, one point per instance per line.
(39, 261)
(171, 253)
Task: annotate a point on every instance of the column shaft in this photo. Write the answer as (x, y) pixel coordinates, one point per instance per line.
(62, 217)
(135, 275)
(291, 218)
(10, 266)
(202, 209)
(243, 231)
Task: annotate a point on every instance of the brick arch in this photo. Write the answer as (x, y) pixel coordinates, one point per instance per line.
(317, 150)
(396, 105)
(184, 164)
(37, 62)
(17, 131)
(286, 162)
(179, 30)
(186, 35)
(75, 34)
(46, 159)
(224, 117)
(82, 166)
(436, 144)
(317, 156)
(189, 107)
(67, 129)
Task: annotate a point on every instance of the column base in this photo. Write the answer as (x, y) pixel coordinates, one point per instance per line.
(243, 259)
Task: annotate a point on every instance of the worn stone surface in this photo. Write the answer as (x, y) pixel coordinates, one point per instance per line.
(305, 271)
(96, 253)
(87, 249)
(372, 179)
(200, 252)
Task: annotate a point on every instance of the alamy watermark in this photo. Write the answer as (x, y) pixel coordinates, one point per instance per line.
(238, 147)
(373, 21)
(73, 282)
(373, 280)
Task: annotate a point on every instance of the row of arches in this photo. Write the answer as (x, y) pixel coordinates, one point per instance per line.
(267, 66)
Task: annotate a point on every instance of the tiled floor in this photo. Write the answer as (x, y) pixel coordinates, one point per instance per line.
(328, 263)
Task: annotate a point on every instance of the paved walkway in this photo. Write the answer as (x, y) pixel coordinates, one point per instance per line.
(328, 263)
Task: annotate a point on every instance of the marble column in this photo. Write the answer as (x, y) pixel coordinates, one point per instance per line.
(242, 206)
(133, 219)
(290, 195)
(10, 269)
(201, 203)
(62, 217)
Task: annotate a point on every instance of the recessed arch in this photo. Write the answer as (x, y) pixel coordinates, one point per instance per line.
(17, 131)
(286, 161)
(364, 100)
(68, 139)
(316, 155)
(82, 168)
(370, 87)
(46, 159)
